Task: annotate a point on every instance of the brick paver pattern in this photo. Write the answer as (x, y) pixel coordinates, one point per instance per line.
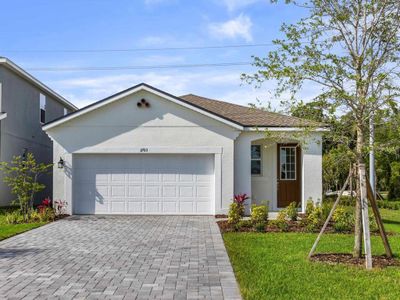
(118, 257)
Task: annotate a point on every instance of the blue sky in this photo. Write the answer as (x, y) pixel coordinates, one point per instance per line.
(127, 24)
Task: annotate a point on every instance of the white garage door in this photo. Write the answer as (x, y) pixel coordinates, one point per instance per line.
(143, 184)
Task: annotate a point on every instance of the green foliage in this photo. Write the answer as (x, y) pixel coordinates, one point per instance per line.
(14, 217)
(44, 215)
(313, 220)
(393, 205)
(244, 224)
(343, 218)
(22, 175)
(394, 182)
(291, 211)
(335, 167)
(234, 214)
(259, 214)
(309, 206)
(281, 221)
(260, 227)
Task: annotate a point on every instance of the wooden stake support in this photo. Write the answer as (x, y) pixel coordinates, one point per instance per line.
(330, 215)
(378, 220)
(366, 194)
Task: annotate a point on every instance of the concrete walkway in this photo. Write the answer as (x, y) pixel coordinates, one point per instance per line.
(118, 257)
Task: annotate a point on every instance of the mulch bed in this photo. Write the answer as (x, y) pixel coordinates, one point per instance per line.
(380, 261)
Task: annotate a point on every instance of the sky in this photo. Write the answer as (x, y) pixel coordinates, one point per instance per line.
(39, 34)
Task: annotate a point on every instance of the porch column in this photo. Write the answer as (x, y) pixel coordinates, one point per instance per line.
(242, 166)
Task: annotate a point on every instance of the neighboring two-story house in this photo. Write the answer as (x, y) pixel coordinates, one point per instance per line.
(25, 105)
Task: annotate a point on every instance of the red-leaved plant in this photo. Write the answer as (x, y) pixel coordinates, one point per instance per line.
(240, 198)
(60, 207)
(46, 202)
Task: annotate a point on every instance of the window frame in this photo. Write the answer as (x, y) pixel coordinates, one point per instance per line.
(42, 107)
(256, 159)
(294, 163)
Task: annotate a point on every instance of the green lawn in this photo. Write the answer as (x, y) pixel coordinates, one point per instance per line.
(8, 230)
(275, 266)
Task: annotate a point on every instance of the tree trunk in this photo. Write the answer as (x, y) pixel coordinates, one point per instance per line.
(357, 251)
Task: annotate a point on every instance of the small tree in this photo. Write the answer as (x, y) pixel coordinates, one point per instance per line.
(350, 49)
(22, 175)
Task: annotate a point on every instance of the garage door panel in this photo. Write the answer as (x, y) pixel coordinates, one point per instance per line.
(135, 190)
(169, 191)
(143, 184)
(117, 191)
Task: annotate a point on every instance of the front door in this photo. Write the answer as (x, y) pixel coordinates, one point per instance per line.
(289, 176)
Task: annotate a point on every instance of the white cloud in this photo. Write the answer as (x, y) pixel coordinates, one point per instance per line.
(233, 5)
(223, 84)
(239, 27)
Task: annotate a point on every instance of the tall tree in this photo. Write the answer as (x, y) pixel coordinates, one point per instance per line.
(350, 49)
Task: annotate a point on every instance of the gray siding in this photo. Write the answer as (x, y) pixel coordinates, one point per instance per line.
(22, 128)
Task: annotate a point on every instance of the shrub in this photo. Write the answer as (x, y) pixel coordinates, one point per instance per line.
(259, 214)
(260, 227)
(14, 217)
(314, 219)
(393, 205)
(244, 224)
(343, 218)
(60, 207)
(372, 223)
(309, 206)
(291, 211)
(240, 199)
(234, 214)
(281, 222)
(326, 208)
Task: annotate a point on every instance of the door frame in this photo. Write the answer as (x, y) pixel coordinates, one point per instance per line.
(298, 173)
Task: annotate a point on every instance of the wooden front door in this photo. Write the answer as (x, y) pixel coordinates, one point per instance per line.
(289, 174)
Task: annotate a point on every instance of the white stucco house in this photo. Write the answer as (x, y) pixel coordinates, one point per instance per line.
(145, 151)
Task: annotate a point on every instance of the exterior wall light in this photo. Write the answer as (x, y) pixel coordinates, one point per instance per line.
(60, 163)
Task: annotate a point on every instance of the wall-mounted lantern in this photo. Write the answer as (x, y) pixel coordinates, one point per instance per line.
(60, 163)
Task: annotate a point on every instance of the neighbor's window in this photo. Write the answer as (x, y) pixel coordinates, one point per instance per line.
(42, 108)
(65, 111)
(288, 163)
(255, 160)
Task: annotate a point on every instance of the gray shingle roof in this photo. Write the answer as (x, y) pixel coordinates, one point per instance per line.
(247, 116)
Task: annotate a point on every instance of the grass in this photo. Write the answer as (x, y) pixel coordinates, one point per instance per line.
(275, 266)
(9, 230)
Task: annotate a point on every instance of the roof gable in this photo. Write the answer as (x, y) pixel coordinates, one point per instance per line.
(25, 75)
(134, 89)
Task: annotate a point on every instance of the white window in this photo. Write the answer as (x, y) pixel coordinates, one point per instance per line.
(65, 111)
(42, 108)
(287, 163)
(255, 159)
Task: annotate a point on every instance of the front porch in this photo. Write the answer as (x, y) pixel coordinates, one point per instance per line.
(278, 172)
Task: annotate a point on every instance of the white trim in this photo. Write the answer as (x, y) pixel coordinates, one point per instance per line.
(150, 150)
(12, 66)
(3, 116)
(318, 129)
(141, 87)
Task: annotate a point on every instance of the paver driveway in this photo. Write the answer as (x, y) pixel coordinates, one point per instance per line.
(115, 257)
